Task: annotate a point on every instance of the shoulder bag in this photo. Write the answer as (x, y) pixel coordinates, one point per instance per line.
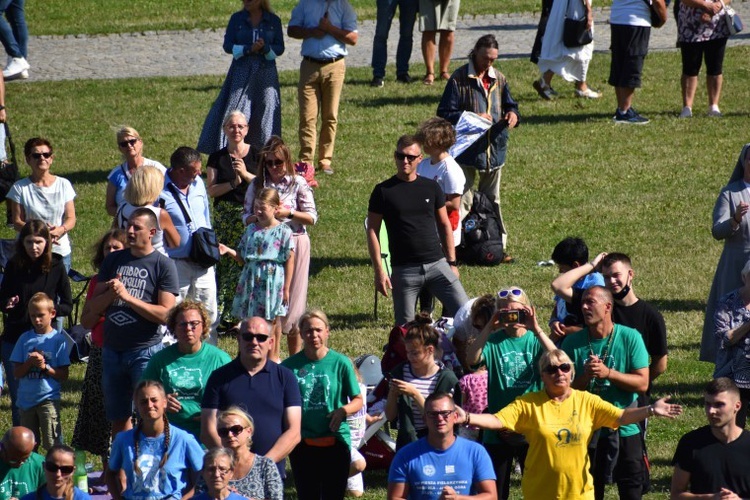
(204, 249)
(575, 33)
(734, 23)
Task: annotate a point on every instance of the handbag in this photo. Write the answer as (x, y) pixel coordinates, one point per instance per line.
(204, 249)
(734, 23)
(575, 33)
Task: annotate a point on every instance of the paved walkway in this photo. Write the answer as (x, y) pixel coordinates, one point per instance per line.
(186, 53)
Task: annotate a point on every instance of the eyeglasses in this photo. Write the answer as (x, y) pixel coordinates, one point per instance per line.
(233, 430)
(274, 163)
(66, 470)
(403, 156)
(515, 291)
(223, 471)
(192, 324)
(552, 369)
(129, 142)
(436, 415)
(39, 156)
(258, 337)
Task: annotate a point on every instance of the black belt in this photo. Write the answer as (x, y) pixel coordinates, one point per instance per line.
(327, 60)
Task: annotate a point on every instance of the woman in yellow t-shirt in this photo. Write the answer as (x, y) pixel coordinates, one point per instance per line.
(558, 422)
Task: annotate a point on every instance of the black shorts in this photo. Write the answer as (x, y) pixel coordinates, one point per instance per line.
(629, 48)
(711, 50)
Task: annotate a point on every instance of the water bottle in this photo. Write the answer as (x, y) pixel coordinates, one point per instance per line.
(80, 476)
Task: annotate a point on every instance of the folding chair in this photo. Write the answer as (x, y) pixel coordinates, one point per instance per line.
(385, 259)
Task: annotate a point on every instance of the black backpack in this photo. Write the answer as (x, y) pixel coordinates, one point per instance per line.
(482, 238)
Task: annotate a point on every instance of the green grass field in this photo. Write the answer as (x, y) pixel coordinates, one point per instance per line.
(647, 191)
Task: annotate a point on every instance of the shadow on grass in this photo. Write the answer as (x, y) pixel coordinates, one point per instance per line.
(358, 320)
(668, 305)
(317, 264)
(428, 100)
(87, 176)
(502, 27)
(565, 118)
(687, 394)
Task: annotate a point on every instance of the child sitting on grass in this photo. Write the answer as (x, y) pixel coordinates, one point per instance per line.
(41, 361)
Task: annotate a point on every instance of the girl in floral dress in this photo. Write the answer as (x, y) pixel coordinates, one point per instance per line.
(267, 252)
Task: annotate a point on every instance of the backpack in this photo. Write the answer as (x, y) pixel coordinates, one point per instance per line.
(482, 239)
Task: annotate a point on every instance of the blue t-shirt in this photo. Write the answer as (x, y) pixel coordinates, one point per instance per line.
(77, 495)
(427, 470)
(205, 496)
(36, 386)
(153, 482)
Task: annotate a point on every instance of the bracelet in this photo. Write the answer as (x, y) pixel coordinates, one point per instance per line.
(468, 419)
(452, 263)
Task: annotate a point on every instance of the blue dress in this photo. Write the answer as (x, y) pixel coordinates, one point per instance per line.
(260, 290)
(252, 83)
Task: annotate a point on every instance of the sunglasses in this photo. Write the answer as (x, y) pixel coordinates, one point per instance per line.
(223, 471)
(439, 414)
(274, 163)
(192, 324)
(39, 156)
(552, 369)
(403, 156)
(504, 293)
(259, 337)
(66, 470)
(129, 142)
(233, 430)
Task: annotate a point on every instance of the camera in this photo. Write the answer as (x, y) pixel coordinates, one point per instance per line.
(512, 316)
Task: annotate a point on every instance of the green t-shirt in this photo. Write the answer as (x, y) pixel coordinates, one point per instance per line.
(325, 385)
(626, 353)
(17, 482)
(511, 371)
(186, 375)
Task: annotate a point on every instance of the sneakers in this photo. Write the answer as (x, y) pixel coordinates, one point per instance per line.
(16, 66)
(404, 78)
(377, 82)
(686, 112)
(543, 90)
(589, 93)
(715, 113)
(630, 117)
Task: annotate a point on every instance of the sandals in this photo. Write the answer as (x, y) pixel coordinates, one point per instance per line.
(445, 75)
(428, 79)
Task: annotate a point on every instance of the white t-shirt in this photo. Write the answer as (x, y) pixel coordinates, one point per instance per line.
(449, 176)
(462, 327)
(630, 13)
(46, 204)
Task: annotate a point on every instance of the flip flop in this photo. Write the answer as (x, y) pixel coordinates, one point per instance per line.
(428, 79)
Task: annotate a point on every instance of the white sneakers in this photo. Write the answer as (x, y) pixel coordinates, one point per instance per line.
(17, 67)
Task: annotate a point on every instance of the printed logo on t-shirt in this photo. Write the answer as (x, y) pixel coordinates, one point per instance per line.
(13, 489)
(135, 280)
(450, 469)
(315, 388)
(121, 318)
(428, 470)
(566, 436)
(186, 382)
(517, 370)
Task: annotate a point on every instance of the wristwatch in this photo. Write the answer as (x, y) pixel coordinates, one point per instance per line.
(452, 263)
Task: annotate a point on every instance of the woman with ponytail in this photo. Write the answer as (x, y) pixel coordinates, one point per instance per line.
(59, 466)
(159, 460)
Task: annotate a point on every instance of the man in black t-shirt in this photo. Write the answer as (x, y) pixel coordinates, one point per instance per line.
(419, 234)
(715, 460)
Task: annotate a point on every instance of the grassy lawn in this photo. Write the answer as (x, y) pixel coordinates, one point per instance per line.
(65, 18)
(647, 191)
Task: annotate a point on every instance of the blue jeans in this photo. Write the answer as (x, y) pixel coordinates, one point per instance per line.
(407, 14)
(121, 373)
(7, 350)
(14, 34)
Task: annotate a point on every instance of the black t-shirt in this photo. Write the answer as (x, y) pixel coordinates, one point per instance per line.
(648, 321)
(714, 465)
(222, 162)
(408, 210)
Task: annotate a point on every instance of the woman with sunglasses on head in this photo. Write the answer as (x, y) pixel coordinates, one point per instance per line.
(508, 346)
(558, 422)
(159, 460)
(297, 210)
(131, 147)
(254, 476)
(330, 393)
(415, 379)
(183, 368)
(44, 196)
(59, 466)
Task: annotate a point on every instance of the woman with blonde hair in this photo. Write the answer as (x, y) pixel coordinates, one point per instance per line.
(59, 466)
(131, 147)
(142, 191)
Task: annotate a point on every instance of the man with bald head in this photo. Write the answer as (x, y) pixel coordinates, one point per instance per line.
(21, 469)
(268, 392)
(611, 360)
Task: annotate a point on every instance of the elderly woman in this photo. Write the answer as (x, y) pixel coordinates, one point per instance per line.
(732, 320)
(131, 147)
(44, 196)
(230, 171)
(702, 33)
(255, 38)
(297, 210)
(183, 368)
(730, 225)
(254, 476)
(330, 393)
(509, 346)
(218, 469)
(558, 422)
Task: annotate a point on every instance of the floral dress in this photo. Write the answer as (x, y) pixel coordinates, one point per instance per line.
(260, 290)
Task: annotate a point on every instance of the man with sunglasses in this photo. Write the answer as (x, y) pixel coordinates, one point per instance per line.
(441, 465)
(21, 469)
(267, 391)
(420, 237)
(611, 360)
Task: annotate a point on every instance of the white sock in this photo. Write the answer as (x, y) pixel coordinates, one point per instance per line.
(713, 107)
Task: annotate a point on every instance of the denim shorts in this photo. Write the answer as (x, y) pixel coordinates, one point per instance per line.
(121, 372)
